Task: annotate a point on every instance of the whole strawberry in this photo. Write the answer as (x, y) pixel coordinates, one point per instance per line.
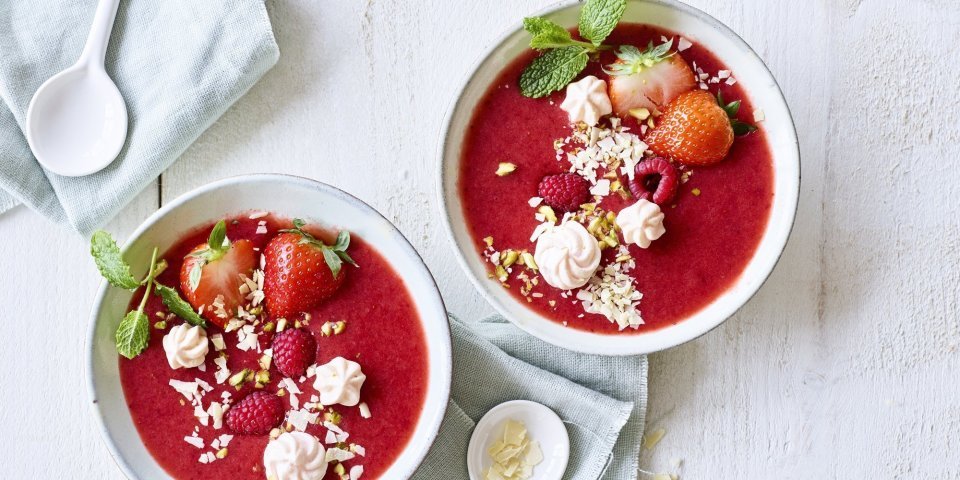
(564, 192)
(256, 414)
(696, 129)
(293, 351)
(300, 271)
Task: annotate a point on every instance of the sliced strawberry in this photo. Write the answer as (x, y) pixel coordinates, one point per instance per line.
(301, 271)
(649, 79)
(213, 269)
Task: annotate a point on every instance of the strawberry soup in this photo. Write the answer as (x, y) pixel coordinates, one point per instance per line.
(625, 199)
(332, 388)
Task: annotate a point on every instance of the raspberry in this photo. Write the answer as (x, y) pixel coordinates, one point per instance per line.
(293, 351)
(654, 180)
(256, 414)
(564, 192)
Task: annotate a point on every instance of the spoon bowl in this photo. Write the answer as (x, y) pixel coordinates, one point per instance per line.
(77, 122)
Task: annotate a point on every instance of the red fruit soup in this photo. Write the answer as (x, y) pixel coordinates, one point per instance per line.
(713, 223)
(370, 320)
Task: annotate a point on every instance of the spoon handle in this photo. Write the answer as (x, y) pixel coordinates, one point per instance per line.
(95, 49)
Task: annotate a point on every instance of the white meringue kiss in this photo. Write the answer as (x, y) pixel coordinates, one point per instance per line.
(295, 456)
(339, 381)
(567, 256)
(186, 346)
(587, 101)
(641, 223)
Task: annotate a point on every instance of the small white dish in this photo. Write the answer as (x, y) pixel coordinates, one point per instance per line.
(764, 93)
(285, 195)
(543, 425)
(77, 120)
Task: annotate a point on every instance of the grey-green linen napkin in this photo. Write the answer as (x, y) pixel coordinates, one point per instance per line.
(602, 400)
(178, 64)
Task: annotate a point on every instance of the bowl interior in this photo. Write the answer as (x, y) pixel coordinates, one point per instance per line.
(759, 84)
(284, 195)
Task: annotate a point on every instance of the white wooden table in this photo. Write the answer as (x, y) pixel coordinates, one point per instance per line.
(844, 366)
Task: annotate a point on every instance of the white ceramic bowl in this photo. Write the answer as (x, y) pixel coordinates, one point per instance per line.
(759, 84)
(285, 195)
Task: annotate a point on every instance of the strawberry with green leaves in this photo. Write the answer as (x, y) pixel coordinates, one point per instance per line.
(697, 129)
(212, 273)
(300, 271)
(648, 79)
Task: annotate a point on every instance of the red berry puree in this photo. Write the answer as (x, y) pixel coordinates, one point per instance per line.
(714, 220)
(382, 333)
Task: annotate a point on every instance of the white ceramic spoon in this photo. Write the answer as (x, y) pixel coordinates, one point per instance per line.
(77, 120)
(543, 425)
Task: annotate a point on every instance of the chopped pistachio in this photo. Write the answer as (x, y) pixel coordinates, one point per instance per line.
(623, 258)
(695, 192)
(262, 378)
(269, 327)
(505, 168)
(297, 324)
(339, 469)
(222, 453)
(162, 324)
(640, 114)
(501, 273)
(237, 379)
(488, 241)
(275, 433)
(547, 212)
(650, 123)
(529, 261)
(339, 327)
(281, 392)
(611, 217)
(256, 310)
(509, 258)
(594, 225)
(326, 329)
(332, 416)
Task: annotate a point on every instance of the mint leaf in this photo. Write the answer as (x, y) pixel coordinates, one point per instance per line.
(133, 334)
(179, 307)
(599, 17)
(112, 267)
(546, 34)
(552, 71)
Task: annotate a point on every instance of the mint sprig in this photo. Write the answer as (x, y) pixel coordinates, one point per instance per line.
(217, 246)
(564, 58)
(740, 128)
(133, 333)
(334, 255)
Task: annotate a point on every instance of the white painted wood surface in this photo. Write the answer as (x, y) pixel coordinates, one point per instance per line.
(844, 366)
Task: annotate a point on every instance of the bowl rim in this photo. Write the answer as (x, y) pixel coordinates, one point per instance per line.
(444, 389)
(483, 288)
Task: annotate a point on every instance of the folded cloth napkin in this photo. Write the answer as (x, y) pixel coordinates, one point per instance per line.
(178, 64)
(602, 400)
